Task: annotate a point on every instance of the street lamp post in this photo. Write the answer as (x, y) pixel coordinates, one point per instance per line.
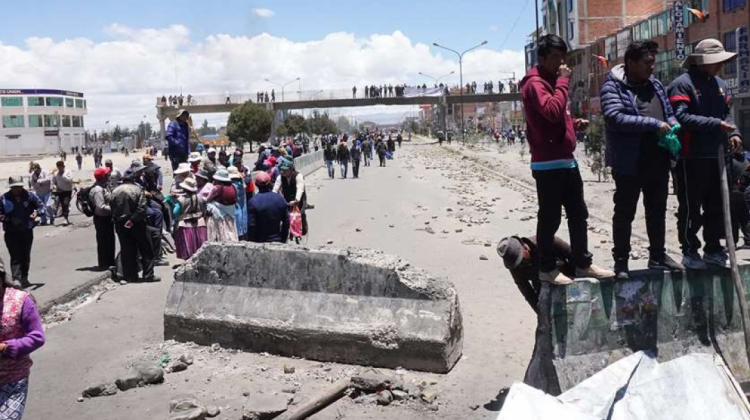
(283, 85)
(461, 80)
(436, 79)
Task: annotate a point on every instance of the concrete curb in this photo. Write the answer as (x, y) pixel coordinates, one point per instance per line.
(73, 293)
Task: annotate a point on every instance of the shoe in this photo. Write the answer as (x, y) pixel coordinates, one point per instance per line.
(152, 279)
(25, 283)
(665, 263)
(693, 261)
(621, 270)
(16, 285)
(555, 277)
(719, 259)
(161, 263)
(595, 272)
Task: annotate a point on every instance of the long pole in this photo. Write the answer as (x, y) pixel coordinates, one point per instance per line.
(738, 285)
(536, 28)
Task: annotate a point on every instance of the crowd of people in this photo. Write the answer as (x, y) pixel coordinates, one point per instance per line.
(652, 130)
(364, 146)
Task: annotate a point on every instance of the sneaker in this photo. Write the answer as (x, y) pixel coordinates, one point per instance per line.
(595, 272)
(152, 279)
(719, 259)
(555, 277)
(693, 261)
(621, 270)
(665, 263)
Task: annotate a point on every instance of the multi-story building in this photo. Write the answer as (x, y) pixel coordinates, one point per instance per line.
(41, 121)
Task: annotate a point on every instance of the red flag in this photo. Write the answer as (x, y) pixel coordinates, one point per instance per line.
(602, 60)
(699, 14)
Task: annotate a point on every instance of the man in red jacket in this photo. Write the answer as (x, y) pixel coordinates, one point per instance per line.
(552, 140)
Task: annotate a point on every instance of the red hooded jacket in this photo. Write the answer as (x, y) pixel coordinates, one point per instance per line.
(550, 132)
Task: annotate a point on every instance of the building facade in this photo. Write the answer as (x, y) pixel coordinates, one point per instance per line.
(41, 121)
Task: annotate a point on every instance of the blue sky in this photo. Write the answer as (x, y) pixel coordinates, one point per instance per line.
(453, 23)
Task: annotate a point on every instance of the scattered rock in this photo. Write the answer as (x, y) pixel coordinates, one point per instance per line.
(399, 395)
(429, 230)
(264, 406)
(80, 399)
(186, 407)
(215, 347)
(366, 399)
(459, 230)
(288, 369)
(474, 407)
(186, 358)
(483, 257)
(141, 374)
(384, 397)
(372, 382)
(123, 282)
(449, 209)
(427, 223)
(428, 395)
(487, 244)
(101, 390)
(213, 411)
(329, 242)
(289, 390)
(391, 226)
(358, 230)
(178, 366)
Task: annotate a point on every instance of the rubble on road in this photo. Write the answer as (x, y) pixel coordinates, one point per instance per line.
(187, 407)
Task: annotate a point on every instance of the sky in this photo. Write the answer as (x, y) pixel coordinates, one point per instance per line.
(123, 54)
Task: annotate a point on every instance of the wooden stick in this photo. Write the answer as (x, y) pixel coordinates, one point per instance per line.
(738, 285)
(312, 405)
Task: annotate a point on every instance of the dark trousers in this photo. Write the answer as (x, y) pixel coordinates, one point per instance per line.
(344, 168)
(530, 290)
(105, 241)
(355, 168)
(135, 241)
(698, 189)
(19, 247)
(381, 156)
(63, 198)
(556, 189)
(176, 160)
(740, 215)
(654, 184)
(155, 217)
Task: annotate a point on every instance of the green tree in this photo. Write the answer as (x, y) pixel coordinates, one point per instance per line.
(294, 124)
(205, 129)
(281, 130)
(344, 124)
(249, 123)
(322, 124)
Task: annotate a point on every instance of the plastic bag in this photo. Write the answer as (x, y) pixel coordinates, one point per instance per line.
(295, 222)
(670, 141)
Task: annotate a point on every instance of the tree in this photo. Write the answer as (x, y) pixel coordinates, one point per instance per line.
(344, 124)
(205, 129)
(322, 124)
(250, 122)
(294, 124)
(595, 148)
(281, 130)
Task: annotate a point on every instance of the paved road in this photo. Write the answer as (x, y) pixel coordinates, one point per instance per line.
(428, 207)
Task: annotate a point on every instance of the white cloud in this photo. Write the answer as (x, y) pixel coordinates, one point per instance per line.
(263, 12)
(122, 77)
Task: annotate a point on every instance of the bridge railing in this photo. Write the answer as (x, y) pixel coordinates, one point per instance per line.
(295, 96)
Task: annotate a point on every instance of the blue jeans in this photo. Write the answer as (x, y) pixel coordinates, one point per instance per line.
(344, 168)
(45, 212)
(329, 165)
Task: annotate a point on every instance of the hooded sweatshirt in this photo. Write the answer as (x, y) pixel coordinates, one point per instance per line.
(551, 137)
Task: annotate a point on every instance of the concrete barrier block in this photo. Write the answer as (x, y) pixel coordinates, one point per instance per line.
(351, 306)
(590, 325)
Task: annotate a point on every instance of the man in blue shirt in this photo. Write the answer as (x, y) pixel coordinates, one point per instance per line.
(18, 209)
(178, 138)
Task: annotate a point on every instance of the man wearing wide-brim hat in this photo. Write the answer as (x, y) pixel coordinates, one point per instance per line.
(700, 99)
(178, 138)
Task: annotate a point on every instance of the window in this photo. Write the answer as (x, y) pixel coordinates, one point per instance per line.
(35, 101)
(730, 5)
(661, 24)
(11, 101)
(35, 121)
(623, 40)
(85, 106)
(730, 44)
(610, 48)
(636, 33)
(51, 121)
(645, 30)
(54, 101)
(68, 102)
(77, 121)
(66, 121)
(79, 103)
(12, 121)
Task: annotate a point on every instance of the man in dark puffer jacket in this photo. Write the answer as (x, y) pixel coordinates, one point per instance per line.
(636, 111)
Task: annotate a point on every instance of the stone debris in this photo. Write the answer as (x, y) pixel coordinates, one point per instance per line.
(213, 411)
(483, 258)
(384, 397)
(264, 406)
(186, 407)
(288, 369)
(178, 366)
(399, 395)
(329, 242)
(139, 375)
(186, 358)
(100, 390)
(215, 347)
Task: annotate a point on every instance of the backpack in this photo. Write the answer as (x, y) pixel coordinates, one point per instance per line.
(82, 201)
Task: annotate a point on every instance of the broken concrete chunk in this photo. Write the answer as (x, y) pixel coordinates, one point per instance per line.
(186, 407)
(186, 358)
(264, 406)
(372, 382)
(399, 395)
(178, 366)
(288, 369)
(384, 397)
(100, 390)
(213, 411)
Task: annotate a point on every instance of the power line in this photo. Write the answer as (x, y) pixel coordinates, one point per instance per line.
(513, 28)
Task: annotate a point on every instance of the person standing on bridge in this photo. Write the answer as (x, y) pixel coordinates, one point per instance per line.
(636, 111)
(552, 141)
(178, 138)
(354, 92)
(273, 95)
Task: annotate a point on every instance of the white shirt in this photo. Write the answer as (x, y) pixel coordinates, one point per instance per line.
(63, 182)
(300, 186)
